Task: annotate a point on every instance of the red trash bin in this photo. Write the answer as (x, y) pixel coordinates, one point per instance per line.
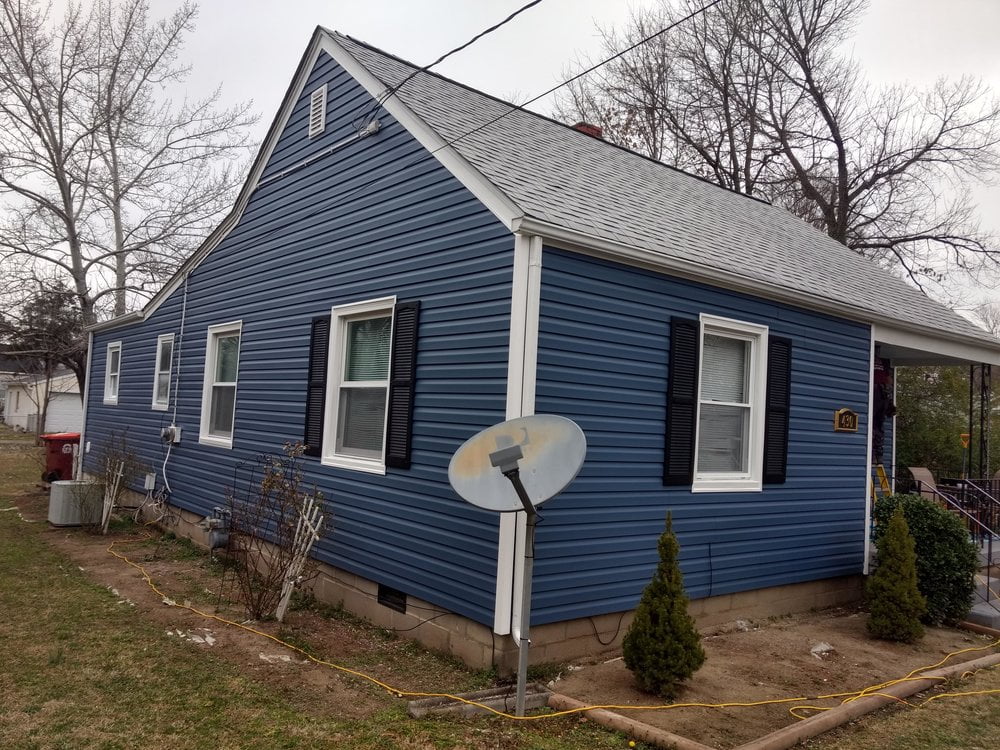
(59, 455)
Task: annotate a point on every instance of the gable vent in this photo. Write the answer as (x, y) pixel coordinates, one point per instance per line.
(317, 111)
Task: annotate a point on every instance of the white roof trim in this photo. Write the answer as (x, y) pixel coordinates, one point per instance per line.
(323, 41)
(982, 348)
(488, 194)
(931, 343)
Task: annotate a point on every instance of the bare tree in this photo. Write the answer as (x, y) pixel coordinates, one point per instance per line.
(103, 176)
(758, 96)
(988, 316)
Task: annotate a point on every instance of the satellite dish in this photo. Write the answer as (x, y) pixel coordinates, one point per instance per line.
(547, 450)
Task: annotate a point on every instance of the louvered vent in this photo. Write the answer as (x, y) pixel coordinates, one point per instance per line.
(317, 111)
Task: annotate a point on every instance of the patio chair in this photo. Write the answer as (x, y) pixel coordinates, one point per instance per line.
(925, 479)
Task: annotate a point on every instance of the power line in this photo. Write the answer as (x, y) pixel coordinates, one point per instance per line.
(393, 89)
(513, 108)
(591, 69)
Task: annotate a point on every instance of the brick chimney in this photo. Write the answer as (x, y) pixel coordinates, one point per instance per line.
(589, 129)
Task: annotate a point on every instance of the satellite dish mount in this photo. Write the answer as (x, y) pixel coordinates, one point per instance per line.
(549, 450)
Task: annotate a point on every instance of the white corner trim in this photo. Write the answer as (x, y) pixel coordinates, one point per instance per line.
(489, 194)
(87, 390)
(868, 453)
(521, 373)
(204, 437)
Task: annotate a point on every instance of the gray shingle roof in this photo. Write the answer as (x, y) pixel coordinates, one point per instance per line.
(566, 178)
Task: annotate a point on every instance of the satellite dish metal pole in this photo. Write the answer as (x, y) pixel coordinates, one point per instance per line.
(506, 460)
(538, 456)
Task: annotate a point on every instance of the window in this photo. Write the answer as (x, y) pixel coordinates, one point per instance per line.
(358, 385)
(112, 372)
(161, 377)
(317, 111)
(218, 399)
(730, 425)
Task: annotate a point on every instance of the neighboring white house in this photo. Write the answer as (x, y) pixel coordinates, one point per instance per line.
(26, 396)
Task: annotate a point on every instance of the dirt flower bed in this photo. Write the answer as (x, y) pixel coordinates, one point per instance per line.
(809, 655)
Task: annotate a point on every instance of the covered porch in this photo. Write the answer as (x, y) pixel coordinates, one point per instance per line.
(972, 491)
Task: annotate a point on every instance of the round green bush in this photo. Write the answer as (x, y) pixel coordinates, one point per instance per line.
(947, 559)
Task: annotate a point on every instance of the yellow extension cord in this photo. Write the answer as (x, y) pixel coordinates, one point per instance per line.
(871, 691)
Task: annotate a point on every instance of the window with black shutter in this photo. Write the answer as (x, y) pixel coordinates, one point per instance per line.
(778, 406)
(359, 403)
(319, 348)
(682, 402)
(403, 374)
(727, 406)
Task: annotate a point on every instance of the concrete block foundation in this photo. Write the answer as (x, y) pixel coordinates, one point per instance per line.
(477, 646)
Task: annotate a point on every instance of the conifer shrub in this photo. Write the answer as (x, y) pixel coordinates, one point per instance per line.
(662, 647)
(894, 600)
(947, 559)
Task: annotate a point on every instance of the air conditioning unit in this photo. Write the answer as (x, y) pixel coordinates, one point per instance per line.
(74, 502)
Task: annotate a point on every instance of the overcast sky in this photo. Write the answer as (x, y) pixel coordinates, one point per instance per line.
(251, 47)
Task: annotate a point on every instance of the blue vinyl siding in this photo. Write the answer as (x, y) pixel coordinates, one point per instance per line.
(375, 218)
(604, 338)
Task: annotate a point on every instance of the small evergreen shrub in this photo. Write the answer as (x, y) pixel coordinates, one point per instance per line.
(662, 648)
(947, 559)
(894, 600)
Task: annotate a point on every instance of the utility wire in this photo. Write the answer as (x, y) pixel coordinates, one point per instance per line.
(581, 74)
(397, 170)
(393, 89)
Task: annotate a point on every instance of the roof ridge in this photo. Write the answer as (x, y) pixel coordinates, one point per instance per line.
(546, 118)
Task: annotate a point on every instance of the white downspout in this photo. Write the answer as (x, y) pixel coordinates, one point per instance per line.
(521, 369)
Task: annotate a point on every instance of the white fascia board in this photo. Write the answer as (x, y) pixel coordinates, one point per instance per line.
(976, 349)
(485, 191)
(295, 90)
(966, 351)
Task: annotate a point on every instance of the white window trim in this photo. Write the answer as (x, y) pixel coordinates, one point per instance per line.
(318, 96)
(170, 371)
(214, 332)
(751, 481)
(112, 398)
(339, 316)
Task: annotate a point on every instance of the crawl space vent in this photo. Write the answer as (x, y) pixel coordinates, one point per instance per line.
(317, 111)
(392, 598)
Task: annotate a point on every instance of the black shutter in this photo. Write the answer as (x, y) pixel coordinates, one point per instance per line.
(319, 349)
(779, 381)
(682, 402)
(402, 376)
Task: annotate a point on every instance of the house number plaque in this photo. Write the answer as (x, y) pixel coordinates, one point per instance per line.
(845, 420)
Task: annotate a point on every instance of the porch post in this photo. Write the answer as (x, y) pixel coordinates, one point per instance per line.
(968, 447)
(984, 420)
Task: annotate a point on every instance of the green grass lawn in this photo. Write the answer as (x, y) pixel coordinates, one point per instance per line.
(969, 722)
(79, 670)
